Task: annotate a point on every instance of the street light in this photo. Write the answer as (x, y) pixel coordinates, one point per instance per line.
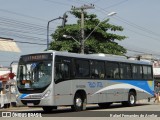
(63, 24)
(83, 40)
(110, 14)
(68, 36)
(48, 30)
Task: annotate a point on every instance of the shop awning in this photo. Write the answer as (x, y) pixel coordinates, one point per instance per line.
(4, 77)
(7, 44)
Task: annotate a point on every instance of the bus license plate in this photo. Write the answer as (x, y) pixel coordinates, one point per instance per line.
(30, 104)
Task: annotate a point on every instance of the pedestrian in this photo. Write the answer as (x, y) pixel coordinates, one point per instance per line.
(157, 92)
(11, 74)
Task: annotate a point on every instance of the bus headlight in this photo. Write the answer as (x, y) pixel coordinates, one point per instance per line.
(46, 94)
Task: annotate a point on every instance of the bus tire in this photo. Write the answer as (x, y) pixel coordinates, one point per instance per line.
(49, 108)
(131, 100)
(79, 103)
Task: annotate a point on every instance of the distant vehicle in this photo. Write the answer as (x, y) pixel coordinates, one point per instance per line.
(53, 78)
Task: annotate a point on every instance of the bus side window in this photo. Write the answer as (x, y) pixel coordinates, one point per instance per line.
(97, 69)
(125, 71)
(65, 71)
(94, 73)
(137, 71)
(116, 73)
(61, 72)
(147, 72)
(58, 73)
(82, 68)
(112, 70)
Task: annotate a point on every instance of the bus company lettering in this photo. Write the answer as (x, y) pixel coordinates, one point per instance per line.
(95, 84)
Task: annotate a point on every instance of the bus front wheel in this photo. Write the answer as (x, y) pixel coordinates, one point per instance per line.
(131, 100)
(79, 103)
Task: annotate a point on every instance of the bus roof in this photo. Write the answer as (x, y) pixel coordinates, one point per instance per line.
(100, 56)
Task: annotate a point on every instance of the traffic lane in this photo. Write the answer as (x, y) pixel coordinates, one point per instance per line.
(92, 111)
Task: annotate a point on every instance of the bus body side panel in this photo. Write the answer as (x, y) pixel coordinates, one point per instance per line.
(101, 95)
(144, 89)
(89, 86)
(100, 91)
(63, 93)
(118, 90)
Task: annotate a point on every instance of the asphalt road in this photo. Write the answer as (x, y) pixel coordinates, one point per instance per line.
(143, 110)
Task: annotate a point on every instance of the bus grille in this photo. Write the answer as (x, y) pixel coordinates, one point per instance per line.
(35, 102)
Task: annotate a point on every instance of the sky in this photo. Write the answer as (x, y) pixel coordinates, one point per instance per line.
(25, 21)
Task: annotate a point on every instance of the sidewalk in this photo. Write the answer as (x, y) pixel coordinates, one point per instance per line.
(145, 101)
(20, 109)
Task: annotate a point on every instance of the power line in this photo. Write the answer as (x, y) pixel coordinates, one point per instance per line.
(141, 52)
(24, 25)
(23, 15)
(123, 20)
(26, 42)
(116, 4)
(20, 31)
(126, 21)
(142, 34)
(57, 2)
(22, 36)
(133, 25)
(137, 26)
(60, 3)
(14, 27)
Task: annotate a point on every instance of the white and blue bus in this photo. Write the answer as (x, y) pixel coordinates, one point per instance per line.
(53, 78)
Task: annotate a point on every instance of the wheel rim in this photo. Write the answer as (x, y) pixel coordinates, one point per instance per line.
(132, 99)
(78, 102)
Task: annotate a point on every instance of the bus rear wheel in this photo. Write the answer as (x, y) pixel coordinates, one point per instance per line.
(131, 100)
(79, 103)
(49, 108)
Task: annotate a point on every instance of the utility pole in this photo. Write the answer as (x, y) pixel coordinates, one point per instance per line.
(48, 30)
(82, 8)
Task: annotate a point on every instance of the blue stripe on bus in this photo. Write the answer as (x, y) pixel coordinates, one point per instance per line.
(23, 96)
(145, 85)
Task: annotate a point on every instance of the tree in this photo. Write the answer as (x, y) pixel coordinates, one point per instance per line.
(102, 40)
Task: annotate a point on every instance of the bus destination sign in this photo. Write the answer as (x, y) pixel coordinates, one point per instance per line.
(36, 57)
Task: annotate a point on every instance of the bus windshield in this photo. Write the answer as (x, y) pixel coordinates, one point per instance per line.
(34, 75)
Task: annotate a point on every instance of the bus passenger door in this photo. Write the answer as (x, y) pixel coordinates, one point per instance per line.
(63, 88)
